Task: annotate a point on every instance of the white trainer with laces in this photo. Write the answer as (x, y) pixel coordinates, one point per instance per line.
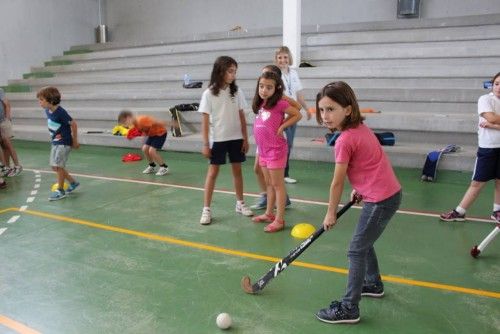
(162, 171)
(206, 217)
(243, 209)
(149, 170)
(15, 171)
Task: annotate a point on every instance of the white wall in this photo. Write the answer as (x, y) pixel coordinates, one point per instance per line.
(147, 20)
(32, 31)
(154, 20)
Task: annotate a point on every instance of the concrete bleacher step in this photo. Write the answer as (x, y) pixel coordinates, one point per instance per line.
(184, 47)
(402, 154)
(166, 60)
(432, 34)
(435, 50)
(70, 84)
(440, 129)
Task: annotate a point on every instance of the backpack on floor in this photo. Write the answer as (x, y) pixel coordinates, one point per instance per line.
(429, 172)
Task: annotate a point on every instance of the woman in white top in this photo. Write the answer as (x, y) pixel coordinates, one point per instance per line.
(293, 89)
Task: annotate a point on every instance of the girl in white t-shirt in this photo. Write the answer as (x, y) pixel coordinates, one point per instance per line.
(487, 165)
(224, 132)
(293, 89)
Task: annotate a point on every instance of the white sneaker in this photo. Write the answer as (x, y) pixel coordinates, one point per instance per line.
(4, 171)
(162, 171)
(206, 217)
(16, 170)
(243, 209)
(290, 180)
(149, 170)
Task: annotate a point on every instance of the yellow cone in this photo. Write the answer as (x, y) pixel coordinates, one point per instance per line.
(56, 185)
(303, 230)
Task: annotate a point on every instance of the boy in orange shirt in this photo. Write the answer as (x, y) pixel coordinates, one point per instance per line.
(156, 133)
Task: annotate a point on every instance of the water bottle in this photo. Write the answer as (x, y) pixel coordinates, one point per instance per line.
(187, 79)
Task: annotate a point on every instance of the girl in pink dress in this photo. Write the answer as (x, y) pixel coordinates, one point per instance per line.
(270, 108)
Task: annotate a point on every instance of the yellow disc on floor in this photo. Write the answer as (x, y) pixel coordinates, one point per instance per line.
(303, 230)
(56, 185)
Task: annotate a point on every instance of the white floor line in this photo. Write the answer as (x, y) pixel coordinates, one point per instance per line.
(23, 208)
(34, 192)
(297, 200)
(13, 219)
(3, 230)
(36, 186)
(30, 199)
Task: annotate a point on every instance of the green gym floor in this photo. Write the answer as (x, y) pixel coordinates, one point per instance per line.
(125, 253)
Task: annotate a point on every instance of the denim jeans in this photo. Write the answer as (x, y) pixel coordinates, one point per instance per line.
(363, 264)
(290, 135)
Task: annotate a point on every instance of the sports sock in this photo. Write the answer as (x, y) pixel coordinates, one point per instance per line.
(460, 210)
(496, 207)
(152, 164)
(206, 208)
(164, 165)
(238, 202)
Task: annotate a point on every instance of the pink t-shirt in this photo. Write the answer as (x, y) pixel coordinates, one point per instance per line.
(369, 170)
(265, 128)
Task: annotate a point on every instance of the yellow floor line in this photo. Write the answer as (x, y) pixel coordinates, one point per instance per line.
(167, 239)
(14, 325)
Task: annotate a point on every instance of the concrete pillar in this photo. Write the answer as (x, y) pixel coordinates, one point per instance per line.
(292, 28)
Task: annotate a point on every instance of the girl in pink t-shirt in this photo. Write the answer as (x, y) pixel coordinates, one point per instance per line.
(270, 108)
(360, 158)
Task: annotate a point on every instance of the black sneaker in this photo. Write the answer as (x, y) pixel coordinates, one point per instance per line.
(373, 290)
(338, 314)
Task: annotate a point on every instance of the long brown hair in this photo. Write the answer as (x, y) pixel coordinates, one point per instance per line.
(221, 65)
(278, 92)
(343, 94)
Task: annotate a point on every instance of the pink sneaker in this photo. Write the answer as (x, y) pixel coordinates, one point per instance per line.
(265, 218)
(452, 216)
(275, 226)
(496, 216)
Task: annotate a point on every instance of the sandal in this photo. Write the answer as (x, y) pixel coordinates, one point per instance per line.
(275, 226)
(265, 218)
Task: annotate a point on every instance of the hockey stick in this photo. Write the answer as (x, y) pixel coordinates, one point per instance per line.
(476, 250)
(250, 288)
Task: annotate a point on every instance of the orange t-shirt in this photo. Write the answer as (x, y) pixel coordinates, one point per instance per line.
(150, 126)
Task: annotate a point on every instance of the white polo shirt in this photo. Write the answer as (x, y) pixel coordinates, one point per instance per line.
(224, 112)
(488, 138)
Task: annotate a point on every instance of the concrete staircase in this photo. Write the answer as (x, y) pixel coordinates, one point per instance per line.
(424, 75)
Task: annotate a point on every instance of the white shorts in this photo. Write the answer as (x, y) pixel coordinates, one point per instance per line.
(59, 155)
(6, 128)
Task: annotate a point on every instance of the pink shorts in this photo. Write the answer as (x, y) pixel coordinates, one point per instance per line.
(273, 164)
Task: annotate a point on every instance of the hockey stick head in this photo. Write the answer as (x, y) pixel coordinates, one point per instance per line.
(474, 252)
(246, 285)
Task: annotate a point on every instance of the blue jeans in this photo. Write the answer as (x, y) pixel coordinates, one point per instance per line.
(363, 264)
(290, 135)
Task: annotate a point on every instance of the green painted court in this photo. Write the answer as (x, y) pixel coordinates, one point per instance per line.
(125, 253)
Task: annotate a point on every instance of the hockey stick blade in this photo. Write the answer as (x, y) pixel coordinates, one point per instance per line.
(246, 283)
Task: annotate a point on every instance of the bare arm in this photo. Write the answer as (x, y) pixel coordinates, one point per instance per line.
(204, 135)
(243, 123)
(490, 125)
(293, 116)
(491, 117)
(336, 189)
(292, 102)
(8, 111)
(74, 134)
(302, 101)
